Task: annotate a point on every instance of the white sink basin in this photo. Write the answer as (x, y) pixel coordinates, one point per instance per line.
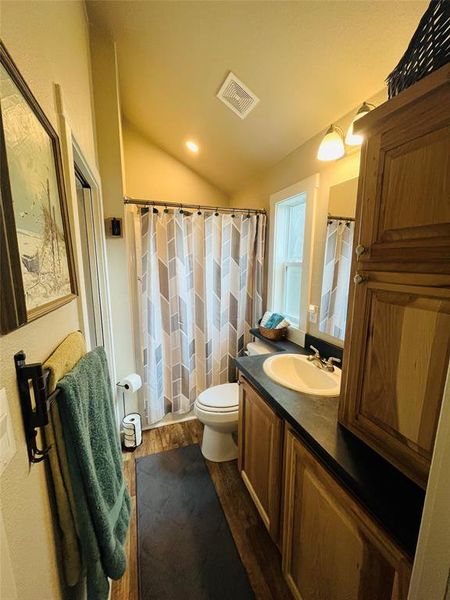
(294, 371)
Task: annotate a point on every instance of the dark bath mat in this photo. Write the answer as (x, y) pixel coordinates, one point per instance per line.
(185, 547)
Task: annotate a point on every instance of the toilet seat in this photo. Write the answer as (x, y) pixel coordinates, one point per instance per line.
(223, 398)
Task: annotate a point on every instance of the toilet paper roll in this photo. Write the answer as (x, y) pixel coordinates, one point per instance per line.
(131, 383)
(132, 430)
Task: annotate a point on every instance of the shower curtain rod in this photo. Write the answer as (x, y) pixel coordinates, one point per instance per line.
(139, 202)
(335, 218)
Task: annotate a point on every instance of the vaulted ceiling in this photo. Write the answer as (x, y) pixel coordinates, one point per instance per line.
(309, 62)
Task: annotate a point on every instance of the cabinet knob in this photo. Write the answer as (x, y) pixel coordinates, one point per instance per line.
(360, 249)
(359, 278)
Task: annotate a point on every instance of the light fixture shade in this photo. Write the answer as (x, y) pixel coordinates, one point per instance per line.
(356, 139)
(332, 145)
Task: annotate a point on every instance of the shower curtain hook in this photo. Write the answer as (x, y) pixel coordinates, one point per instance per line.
(199, 212)
(166, 210)
(155, 210)
(216, 214)
(181, 209)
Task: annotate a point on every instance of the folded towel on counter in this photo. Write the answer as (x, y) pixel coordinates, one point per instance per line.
(95, 465)
(63, 360)
(273, 320)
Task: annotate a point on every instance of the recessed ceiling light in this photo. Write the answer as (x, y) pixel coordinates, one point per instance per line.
(192, 146)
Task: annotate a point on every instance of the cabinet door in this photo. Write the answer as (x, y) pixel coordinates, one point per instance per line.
(260, 443)
(396, 366)
(332, 549)
(404, 188)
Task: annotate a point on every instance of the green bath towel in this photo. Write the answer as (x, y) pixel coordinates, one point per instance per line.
(102, 502)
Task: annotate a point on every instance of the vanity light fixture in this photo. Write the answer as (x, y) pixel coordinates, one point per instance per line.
(192, 146)
(354, 139)
(332, 145)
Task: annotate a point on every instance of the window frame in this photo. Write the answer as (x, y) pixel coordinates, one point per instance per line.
(309, 188)
(285, 265)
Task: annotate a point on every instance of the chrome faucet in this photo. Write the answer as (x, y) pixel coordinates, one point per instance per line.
(329, 366)
(320, 362)
(315, 358)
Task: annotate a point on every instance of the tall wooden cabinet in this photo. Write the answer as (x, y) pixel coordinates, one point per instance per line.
(260, 455)
(331, 547)
(398, 326)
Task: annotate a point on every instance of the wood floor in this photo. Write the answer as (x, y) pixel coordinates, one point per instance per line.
(258, 553)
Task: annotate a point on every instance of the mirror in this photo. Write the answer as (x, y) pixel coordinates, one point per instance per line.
(338, 258)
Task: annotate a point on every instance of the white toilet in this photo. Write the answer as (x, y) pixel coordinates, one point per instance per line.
(218, 409)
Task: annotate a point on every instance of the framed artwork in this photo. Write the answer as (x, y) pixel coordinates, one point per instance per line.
(36, 259)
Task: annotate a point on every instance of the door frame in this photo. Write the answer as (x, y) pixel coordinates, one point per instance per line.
(431, 570)
(72, 154)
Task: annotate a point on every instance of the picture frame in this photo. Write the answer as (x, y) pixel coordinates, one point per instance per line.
(36, 256)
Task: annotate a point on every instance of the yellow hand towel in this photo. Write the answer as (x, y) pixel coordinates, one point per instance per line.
(61, 362)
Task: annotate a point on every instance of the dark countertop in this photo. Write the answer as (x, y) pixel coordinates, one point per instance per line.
(393, 500)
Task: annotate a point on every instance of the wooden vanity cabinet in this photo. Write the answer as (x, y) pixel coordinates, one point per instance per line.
(398, 326)
(332, 548)
(260, 444)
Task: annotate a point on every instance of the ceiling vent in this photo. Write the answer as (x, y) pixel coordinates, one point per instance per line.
(237, 96)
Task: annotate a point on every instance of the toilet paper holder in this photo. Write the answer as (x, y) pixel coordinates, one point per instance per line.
(131, 383)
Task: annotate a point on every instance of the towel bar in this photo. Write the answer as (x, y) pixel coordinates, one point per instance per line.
(36, 417)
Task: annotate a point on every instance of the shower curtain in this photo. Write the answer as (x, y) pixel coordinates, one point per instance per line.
(336, 277)
(201, 292)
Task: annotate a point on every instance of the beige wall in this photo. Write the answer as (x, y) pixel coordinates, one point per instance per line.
(151, 173)
(130, 164)
(298, 165)
(48, 41)
(342, 198)
(110, 158)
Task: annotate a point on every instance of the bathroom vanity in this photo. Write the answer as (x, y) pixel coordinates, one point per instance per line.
(334, 507)
(338, 481)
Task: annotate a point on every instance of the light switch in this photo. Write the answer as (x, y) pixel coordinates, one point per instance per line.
(313, 310)
(7, 441)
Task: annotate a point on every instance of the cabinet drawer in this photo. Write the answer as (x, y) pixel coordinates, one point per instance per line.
(331, 547)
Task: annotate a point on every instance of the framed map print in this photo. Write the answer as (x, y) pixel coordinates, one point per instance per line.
(37, 269)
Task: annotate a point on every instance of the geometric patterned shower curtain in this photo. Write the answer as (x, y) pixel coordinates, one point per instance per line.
(336, 277)
(201, 293)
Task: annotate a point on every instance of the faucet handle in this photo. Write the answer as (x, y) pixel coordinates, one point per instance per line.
(315, 355)
(329, 363)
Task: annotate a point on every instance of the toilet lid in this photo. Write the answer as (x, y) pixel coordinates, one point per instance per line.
(220, 398)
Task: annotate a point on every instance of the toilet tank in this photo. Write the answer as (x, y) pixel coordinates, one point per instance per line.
(254, 348)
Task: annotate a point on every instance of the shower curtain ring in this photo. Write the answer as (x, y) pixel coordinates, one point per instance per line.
(199, 212)
(181, 209)
(155, 210)
(166, 210)
(217, 212)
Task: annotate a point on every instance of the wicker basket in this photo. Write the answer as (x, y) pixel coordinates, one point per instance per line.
(273, 334)
(428, 50)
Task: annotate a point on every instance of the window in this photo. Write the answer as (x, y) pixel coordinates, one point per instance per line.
(288, 256)
(292, 214)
